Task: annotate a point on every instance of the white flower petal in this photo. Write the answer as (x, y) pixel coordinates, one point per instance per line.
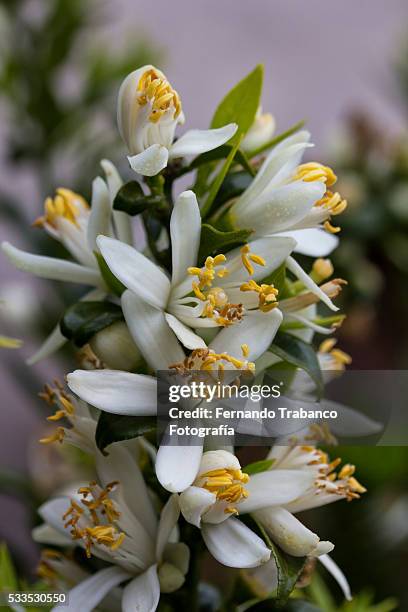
(275, 487)
(45, 534)
(177, 466)
(195, 142)
(51, 268)
(150, 331)
(51, 344)
(257, 330)
(233, 544)
(281, 208)
(274, 251)
(351, 423)
(99, 219)
(298, 271)
(186, 336)
(115, 391)
(314, 241)
(285, 156)
(122, 221)
(185, 232)
(51, 512)
(168, 520)
(142, 594)
(122, 465)
(194, 502)
(337, 574)
(287, 531)
(86, 595)
(135, 271)
(151, 161)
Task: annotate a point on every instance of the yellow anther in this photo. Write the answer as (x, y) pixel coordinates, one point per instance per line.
(356, 486)
(346, 471)
(60, 414)
(247, 257)
(245, 350)
(206, 359)
(340, 358)
(156, 89)
(208, 272)
(67, 404)
(226, 484)
(57, 436)
(67, 205)
(314, 171)
(327, 345)
(266, 294)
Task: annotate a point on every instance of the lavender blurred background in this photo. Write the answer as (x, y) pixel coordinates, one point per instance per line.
(321, 60)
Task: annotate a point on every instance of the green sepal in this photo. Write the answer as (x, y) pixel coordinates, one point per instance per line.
(115, 427)
(258, 466)
(113, 283)
(83, 320)
(131, 199)
(300, 354)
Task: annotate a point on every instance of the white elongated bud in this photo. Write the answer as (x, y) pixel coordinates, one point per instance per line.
(115, 347)
(148, 111)
(260, 132)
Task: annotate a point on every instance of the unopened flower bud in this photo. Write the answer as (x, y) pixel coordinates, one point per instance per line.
(322, 269)
(260, 132)
(114, 346)
(170, 578)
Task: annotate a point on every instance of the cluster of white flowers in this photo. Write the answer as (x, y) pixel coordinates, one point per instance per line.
(217, 310)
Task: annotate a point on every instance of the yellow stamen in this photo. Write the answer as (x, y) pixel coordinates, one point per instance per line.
(247, 257)
(245, 350)
(156, 89)
(67, 205)
(57, 436)
(266, 294)
(227, 485)
(314, 171)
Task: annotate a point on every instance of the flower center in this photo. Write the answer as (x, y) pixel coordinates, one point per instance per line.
(66, 205)
(99, 511)
(227, 485)
(156, 89)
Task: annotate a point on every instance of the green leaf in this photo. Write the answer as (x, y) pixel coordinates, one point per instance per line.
(258, 466)
(240, 104)
(214, 241)
(219, 179)
(113, 283)
(298, 353)
(131, 199)
(114, 427)
(84, 319)
(8, 577)
(220, 153)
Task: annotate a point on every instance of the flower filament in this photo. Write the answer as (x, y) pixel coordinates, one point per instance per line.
(266, 294)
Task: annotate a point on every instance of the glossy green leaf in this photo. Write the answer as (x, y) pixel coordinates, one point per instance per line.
(219, 179)
(131, 199)
(214, 241)
(221, 153)
(113, 283)
(84, 319)
(240, 104)
(114, 427)
(258, 466)
(300, 354)
(233, 185)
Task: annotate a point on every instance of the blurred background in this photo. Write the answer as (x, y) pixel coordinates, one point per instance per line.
(343, 67)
